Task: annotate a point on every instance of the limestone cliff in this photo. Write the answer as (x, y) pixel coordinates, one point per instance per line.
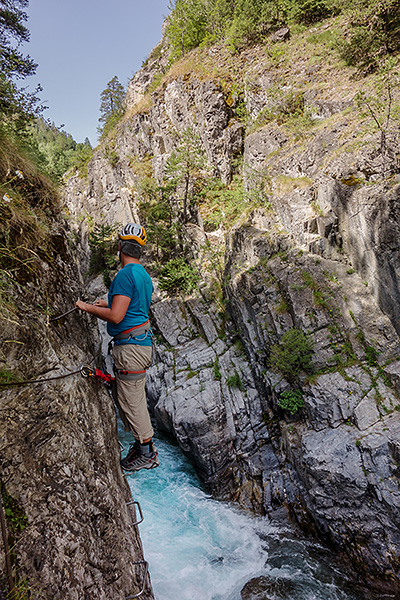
(69, 521)
(314, 248)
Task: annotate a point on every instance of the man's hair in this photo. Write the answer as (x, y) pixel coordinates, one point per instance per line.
(131, 248)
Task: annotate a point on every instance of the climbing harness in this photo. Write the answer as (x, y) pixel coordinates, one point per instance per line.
(138, 333)
(138, 330)
(124, 375)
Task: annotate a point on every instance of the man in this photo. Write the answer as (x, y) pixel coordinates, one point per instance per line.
(126, 313)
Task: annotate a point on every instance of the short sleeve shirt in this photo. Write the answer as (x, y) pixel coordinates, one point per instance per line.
(132, 281)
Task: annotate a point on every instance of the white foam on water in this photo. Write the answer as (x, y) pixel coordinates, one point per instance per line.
(202, 549)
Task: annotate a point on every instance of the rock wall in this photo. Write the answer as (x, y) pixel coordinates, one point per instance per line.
(66, 500)
(318, 254)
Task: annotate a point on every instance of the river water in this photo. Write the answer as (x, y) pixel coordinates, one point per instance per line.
(202, 549)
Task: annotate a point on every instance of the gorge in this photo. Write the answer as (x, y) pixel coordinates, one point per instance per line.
(277, 371)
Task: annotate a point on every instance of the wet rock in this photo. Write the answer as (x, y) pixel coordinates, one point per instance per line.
(266, 588)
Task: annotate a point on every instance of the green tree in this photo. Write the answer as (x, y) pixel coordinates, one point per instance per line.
(57, 150)
(103, 243)
(219, 15)
(162, 229)
(185, 166)
(12, 34)
(373, 31)
(252, 20)
(186, 25)
(309, 11)
(111, 106)
(178, 275)
(15, 102)
(378, 106)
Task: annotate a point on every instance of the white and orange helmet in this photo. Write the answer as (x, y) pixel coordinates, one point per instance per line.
(132, 232)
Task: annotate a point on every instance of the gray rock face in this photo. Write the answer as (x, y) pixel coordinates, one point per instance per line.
(344, 448)
(202, 393)
(319, 253)
(59, 454)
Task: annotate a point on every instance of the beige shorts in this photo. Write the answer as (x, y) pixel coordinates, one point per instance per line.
(131, 395)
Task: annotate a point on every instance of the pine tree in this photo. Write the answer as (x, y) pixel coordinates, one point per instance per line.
(111, 105)
(13, 33)
(185, 165)
(14, 65)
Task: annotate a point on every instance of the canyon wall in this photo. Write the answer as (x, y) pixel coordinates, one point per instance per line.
(67, 504)
(316, 253)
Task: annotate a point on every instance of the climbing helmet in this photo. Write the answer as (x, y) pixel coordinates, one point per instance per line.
(133, 232)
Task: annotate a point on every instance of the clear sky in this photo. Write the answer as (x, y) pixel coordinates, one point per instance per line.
(80, 45)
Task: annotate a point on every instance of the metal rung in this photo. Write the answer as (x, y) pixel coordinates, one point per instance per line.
(146, 569)
(140, 512)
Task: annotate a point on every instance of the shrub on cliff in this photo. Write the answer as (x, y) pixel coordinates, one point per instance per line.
(292, 355)
(291, 400)
(178, 276)
(103, 243)
(373, 31)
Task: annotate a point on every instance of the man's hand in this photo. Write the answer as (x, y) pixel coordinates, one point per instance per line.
(100, 309)
(101, 302)
(80, 304)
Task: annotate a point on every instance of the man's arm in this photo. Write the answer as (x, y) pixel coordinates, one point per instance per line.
(115, 314)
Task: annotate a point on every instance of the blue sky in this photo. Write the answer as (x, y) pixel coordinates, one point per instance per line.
(80, 45)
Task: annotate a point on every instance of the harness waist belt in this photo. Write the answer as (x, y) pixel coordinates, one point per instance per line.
(133, 332)
(130, 375)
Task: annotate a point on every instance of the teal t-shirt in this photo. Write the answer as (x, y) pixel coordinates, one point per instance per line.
(132, 281)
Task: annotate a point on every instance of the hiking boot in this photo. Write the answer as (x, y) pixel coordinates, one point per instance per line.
(146, 460)
(133, 452)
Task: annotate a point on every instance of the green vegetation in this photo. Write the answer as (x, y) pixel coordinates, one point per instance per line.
(216, 370)
(162, 213)
(163, 231)
(378, 107)
(368, 32)
(16, 517)
(234, 381)
(222, 204)
(111, 109)
(28, 201)
(373, 32)
(57, 151)
(185, 169)
(291, 400)
(7, 376)
(103, 243)
(33, 157)
(292, 355)
(17, 106)
(178, 276)
(288, 108)
(237, 23)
